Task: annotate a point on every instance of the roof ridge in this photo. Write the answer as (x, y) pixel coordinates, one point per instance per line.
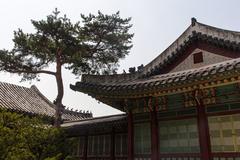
(218, 28)
(78, 113)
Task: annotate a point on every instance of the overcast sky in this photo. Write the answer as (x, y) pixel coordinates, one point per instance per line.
(156, 24)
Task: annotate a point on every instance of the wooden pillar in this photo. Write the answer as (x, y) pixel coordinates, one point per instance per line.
(112, 151)
(203, 129)
(85, 147)
(154, 136)
(130, 137)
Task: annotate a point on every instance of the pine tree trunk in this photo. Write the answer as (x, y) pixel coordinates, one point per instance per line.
(58, 102)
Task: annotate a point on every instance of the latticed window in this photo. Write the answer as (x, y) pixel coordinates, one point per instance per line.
(179, 136)
(142, 138)
(121, 145)
(78, 148)
(99, 145)
(225, 133)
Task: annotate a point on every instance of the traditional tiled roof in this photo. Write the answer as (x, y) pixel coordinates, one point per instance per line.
(99, 124)
(138, 86)
(153, 75)
(31, 101)
(70, 115)
(95, 121)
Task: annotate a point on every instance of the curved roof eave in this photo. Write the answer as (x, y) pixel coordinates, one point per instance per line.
(160, 82)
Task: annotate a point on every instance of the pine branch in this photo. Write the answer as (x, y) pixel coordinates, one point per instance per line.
(31, 72)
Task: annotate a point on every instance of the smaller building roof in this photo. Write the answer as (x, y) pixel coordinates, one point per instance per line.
(104, 124)
(32, 101)
(94, 121)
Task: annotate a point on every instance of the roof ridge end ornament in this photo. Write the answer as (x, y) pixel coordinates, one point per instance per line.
(193, 21)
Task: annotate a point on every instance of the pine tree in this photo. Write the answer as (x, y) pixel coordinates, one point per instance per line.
(92, 45)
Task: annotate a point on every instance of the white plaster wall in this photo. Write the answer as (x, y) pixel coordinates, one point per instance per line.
(208, 58)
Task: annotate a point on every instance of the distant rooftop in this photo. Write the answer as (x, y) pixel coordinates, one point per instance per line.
(32, 101)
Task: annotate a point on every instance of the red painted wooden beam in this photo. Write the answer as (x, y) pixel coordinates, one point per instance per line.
(203, 129)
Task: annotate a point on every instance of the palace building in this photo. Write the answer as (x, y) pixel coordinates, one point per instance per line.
(183, 105)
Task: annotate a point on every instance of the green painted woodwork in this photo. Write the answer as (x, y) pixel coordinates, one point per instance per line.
(223, 107)
(234, 106)
(217, 108)
(178, 136)
(221, 96)
(140, 106)
(121, 147)
(188, 111)
(78, 148)
(141, 117)
(171, 114)
(175, 101)
(227, 98)
(142, 138)
(99, 145)
(226, 89)
(160, 102)
(167, 114)
(227, 93)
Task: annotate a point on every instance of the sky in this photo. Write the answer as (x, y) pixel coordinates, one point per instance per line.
(156, 24)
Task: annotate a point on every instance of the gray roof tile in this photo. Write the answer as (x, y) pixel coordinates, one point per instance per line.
(32, 101)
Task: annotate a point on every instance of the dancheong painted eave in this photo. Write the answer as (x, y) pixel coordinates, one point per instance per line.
(156, 75)
(227, 70)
